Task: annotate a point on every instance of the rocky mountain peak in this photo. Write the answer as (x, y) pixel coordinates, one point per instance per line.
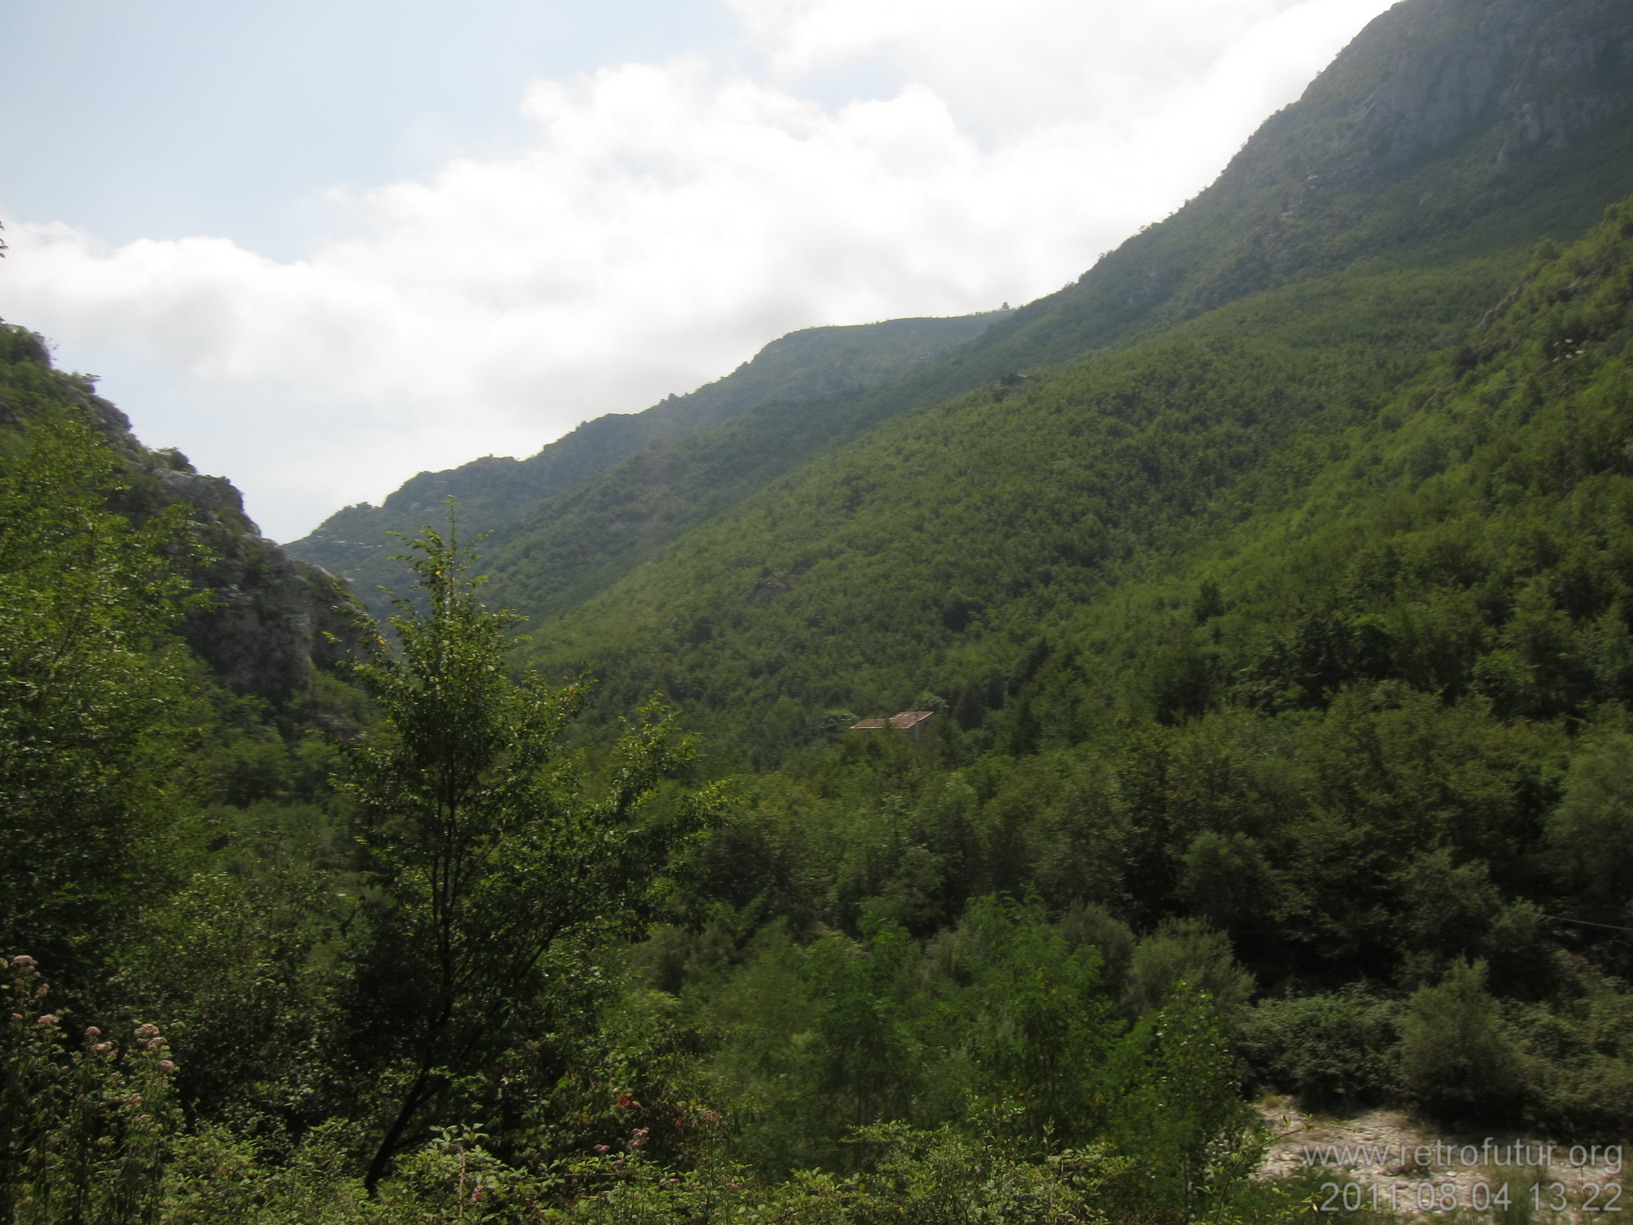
(1426, 76)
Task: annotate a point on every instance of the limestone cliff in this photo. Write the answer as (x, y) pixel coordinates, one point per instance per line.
(269, 619)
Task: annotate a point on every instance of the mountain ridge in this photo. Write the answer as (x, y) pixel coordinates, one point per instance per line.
(1448, 118)
(494, 493)
(1261, 224)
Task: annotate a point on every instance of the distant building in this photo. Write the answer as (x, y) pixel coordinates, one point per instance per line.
(910, 721)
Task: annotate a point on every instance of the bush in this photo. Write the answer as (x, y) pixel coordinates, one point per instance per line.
(1189, 952)
(1333, 1052)
(84, 1125)
(1457, 1061)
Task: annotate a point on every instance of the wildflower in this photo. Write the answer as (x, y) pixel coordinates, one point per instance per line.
(145, 1032)
(49, 1018)
(602, 1148)
(92, 1031)
(166, 1065)
(100, 1047)
(638, 1137)
(22, 959)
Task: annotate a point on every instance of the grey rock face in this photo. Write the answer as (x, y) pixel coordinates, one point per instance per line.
(271, 620)
(268, 619)
(1542, 71)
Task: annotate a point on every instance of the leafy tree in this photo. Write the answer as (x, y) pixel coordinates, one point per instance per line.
(1334, 1051)
(1181, 956)
(1178, 1112)
(491, 860)
(865, 1057)
(91, 697)
(1040, 1033)
(1590, 835)
(1456, 1058)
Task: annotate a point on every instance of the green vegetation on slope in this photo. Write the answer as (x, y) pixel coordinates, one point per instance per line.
(935, 553)
(1371, 740)
(788, 376)
(1281, 650)
(1363, 176)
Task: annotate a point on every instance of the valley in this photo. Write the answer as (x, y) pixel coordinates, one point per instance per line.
(1264, 599)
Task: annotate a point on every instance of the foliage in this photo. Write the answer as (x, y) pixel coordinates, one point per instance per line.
(84, 1118)
(1272, 591)
(92, 702)
(1457, 1060)
(496, 868)
(1334, 1051)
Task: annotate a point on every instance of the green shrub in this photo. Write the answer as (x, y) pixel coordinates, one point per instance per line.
(84, 1121)
(1457, 1060)
(1332, 1051)
(1186, 953)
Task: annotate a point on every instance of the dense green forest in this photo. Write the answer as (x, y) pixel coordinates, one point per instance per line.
(1270, 589)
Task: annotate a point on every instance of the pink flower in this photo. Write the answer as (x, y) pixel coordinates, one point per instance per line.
(166, 1065)
(602, 1148)
(92, 1031)
(22, 959)
(147, 1031)
(49, 1018)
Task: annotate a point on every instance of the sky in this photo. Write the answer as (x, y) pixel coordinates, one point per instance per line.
(324, 245)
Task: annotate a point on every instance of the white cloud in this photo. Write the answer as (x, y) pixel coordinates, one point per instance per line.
(666, 219)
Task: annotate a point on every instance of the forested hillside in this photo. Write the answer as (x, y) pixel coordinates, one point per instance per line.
(1265, 599)
(1449, 137)
(790, 376)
